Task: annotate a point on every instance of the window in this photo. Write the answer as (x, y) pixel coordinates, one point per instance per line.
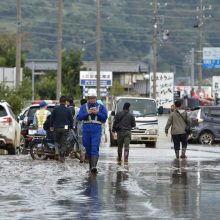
(215, 113)
(2, 111)
(139, 107)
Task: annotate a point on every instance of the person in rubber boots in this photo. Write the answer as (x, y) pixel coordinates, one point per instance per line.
(93, 115)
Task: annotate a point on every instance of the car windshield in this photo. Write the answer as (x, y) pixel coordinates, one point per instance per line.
(139, 107)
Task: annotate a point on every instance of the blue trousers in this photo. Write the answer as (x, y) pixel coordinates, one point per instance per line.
(92, 134)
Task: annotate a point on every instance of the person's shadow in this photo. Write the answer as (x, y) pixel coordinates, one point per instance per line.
(93, 204)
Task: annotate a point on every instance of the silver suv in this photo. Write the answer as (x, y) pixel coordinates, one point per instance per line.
(9, 129)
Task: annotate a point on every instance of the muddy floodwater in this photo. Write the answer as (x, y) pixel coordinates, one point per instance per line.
(153, 185)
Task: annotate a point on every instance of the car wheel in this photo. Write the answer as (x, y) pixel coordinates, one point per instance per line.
(206, 138)
(11, 149)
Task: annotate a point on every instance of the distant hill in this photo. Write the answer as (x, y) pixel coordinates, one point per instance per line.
(126, 29)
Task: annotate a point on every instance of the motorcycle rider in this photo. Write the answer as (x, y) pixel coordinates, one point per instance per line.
(93, 115)
(40, 117)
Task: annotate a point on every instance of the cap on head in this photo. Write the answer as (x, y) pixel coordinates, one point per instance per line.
(92, 93)
(43, 103)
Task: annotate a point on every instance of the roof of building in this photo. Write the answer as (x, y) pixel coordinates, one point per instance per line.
(113, 66)
(118, 66)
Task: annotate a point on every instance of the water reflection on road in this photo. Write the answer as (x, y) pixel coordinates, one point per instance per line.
(146, 188)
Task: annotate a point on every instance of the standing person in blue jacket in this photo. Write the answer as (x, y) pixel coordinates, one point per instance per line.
(93, 115)
(61, 122)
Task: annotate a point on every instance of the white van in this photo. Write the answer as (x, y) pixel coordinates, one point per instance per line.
(145, 112)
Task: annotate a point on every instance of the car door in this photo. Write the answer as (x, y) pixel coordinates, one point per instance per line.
(214, 120)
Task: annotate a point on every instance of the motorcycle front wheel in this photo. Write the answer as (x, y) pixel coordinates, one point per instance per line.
(37, 151)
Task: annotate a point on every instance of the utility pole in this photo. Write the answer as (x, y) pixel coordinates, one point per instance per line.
(59, 48)
(200, 44)
(154, 61)
(98, 45)
(201, 20)
(192, 66)
(33, 80)
(18, 45)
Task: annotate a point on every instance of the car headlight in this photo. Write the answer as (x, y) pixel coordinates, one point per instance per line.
(151, 131)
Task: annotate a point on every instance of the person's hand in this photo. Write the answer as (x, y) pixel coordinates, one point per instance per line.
(90, 111)
(95, 111)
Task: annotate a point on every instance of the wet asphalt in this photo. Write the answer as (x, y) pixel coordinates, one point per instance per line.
(153, 185)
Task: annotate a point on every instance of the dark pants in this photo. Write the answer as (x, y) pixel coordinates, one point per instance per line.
(124, 138)
(179, 138)
(60, 138)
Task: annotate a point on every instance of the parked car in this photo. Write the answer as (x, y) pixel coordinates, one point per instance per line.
(10, 130)
(26, 119)
(205, 122)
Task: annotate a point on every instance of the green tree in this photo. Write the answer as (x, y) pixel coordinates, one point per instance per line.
(12, 97)
(45, 87)
(117, 89)
(15, 97)
(71, 65)
(8, 51)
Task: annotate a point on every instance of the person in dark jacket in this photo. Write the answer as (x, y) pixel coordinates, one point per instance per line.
(61, 122)
(125, 121)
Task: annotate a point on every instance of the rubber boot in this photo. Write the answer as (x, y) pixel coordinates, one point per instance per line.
(126, 154)
(119, 155)
(183, 155)
(94, 161)
(177, 152)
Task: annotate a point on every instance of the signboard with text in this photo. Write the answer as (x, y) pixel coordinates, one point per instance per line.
(211, 57)
(164, 88)
(89, 78)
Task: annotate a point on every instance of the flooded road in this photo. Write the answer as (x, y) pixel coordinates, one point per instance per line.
(152, 186)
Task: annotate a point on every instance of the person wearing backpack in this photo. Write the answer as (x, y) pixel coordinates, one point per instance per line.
(178, 121)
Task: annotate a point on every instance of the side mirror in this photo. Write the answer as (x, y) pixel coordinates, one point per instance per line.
(113, 113)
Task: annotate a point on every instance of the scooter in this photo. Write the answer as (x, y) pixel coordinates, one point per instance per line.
(42, 148)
